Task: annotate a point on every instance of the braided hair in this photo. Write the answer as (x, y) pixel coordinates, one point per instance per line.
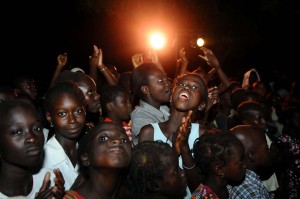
(148, 165)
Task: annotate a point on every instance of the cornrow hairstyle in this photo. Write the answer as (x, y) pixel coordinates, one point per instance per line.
(68, 87)
(240, 95)
(140, 77)
(244, 110)
(213, 148)
(109, 94)
(147, 165)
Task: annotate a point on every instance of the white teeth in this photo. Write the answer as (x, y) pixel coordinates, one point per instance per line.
(115, 149)
(184, 95)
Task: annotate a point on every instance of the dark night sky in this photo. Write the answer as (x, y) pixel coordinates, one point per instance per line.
(34, 32)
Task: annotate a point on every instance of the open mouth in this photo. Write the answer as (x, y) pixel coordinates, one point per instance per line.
(184, 96)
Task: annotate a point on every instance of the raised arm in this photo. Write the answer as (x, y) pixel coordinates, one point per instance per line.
(96, 63)
(182, 63)
(152, 57)
(180, 143)
(62, 60)
(212, 61)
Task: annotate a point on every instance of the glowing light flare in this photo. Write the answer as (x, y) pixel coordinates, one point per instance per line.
(200, 42)
(157, 40)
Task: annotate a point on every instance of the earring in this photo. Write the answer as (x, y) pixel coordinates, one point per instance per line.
(171, 99)
(148, 94)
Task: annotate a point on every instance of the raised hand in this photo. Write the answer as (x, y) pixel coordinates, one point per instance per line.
(209, 57)
(57, 191)
(137, 59)
(96, 57)
(180, 139)
(62, 60)
(183, 57)
(213, 95)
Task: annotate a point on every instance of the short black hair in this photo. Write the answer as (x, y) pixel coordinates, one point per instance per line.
(62, 87)
(109, 94)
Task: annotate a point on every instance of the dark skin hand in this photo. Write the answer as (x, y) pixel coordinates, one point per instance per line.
(57, 191)
(181, 137)
(181, 145)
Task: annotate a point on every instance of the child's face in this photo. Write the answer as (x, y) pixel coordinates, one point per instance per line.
(110, 147)
(235, 169)
(28, 87)
(21, 137)
(174, 182)
(68, 116)
(159, 87)
(258, 118)
(187, 93)
(88, 87)
(122, 106)
(261, 151)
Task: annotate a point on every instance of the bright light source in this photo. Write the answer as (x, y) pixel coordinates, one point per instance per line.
(157, 40)
(200, 42)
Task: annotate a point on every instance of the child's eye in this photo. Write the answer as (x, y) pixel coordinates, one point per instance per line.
(78, 111)
(194, 88)
(125, 140)
(62, 114)
(37, 130)
(103, 138)
(17, 132)
(181, 84)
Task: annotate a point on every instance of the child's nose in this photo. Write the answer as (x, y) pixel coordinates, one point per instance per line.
(31, 138)
(116, 141)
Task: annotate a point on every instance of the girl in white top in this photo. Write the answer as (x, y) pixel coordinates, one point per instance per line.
(65, 111)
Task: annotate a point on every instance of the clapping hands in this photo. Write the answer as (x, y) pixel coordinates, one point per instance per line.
(57, 191)
(180, 139)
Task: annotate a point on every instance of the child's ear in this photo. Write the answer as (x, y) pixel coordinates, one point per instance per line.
(145, 90)
(85, 159)
(251, 157)
(109, 106)
(48, 116)
(154, 185)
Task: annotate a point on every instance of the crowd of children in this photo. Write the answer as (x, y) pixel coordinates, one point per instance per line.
(144, 134)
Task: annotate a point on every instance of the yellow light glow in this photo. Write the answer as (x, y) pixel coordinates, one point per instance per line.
(200, 42)
(157, 40)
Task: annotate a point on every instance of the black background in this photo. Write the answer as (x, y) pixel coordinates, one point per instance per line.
(260, 34)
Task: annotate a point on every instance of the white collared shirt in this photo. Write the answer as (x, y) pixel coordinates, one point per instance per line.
(56, 158)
